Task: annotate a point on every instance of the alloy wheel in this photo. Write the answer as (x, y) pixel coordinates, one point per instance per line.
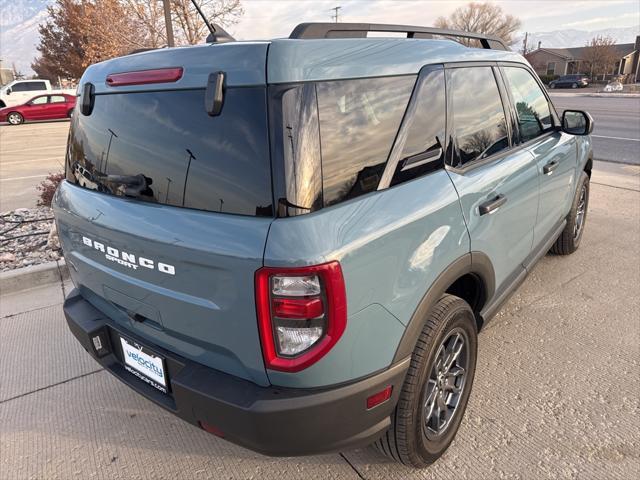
(446, 383)
(14, 119)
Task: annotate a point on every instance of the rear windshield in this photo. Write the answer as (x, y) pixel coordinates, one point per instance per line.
(163, 147)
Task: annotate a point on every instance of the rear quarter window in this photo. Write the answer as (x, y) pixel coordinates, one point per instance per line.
(359, 120)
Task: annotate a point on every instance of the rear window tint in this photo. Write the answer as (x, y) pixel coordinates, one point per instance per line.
(163, 147)
(359, 120)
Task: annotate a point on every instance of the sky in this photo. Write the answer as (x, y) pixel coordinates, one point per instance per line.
(277, 18)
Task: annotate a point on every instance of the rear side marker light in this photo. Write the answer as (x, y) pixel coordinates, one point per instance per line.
(143, 77)
(302, 312)
(380, 397)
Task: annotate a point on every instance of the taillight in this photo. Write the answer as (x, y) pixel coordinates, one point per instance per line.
(302, 312)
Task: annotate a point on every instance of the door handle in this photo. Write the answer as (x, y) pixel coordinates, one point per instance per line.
(493, 204)
(550, 167)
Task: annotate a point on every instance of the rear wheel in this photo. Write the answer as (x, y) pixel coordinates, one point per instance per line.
(437, 387)
(14, 118)
(574, 85)
(552, 85)
(70, 113)
(569, 240)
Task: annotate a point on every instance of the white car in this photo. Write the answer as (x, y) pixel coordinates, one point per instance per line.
(21, 91)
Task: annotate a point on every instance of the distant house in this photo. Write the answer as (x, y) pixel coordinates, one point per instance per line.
(567, 61)
(6, 75)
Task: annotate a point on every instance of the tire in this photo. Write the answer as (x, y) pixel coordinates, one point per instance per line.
(410, 440)
(552, 85)
(569, 240)
(574, 85)
(70, 113)
(15, 118)
(2, 104)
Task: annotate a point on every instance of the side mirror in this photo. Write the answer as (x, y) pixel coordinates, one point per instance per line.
(577, 122)
(8, 92)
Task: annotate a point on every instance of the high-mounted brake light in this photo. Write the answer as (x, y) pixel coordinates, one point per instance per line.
(302, 312)
(143, 77)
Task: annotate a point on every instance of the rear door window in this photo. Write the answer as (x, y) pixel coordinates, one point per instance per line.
(163, 147)
(34, 86)
(479, 121)
(359, 120)
(532, 107)
(58, 99)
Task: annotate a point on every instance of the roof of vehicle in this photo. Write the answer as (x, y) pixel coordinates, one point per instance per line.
(293, 60)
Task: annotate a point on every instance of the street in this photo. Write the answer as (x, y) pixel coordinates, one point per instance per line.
(616, 136)
(556, 393)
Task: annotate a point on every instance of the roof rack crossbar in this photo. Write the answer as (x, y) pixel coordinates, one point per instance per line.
(359, 30)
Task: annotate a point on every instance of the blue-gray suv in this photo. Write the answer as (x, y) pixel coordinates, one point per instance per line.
(293, 244)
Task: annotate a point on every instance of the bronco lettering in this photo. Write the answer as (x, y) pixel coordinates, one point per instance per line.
(128, 259)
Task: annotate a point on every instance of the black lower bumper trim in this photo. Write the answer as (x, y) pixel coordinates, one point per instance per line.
(270, 420)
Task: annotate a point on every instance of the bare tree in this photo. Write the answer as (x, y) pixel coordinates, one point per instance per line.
(188, 26)
(600, 56)
(484, 18)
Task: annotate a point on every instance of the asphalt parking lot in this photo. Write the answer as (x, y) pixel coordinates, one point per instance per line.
(27, 154)
(556, 394)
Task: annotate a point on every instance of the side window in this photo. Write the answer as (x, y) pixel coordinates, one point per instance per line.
(424, 145)
(34, 86)
(534, 115)
(39, 100)
(480, 127)
(359, 120)
(20, 87)
(58, 99)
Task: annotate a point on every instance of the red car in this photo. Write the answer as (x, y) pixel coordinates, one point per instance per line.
(42, 107)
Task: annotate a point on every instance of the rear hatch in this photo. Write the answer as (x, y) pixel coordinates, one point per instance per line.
(166, 208)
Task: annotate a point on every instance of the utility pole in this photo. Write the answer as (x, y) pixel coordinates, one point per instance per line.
(167, 22)
(336, 14)
(524, 44)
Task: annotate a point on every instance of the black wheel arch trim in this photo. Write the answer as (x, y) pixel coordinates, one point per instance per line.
(476, 263)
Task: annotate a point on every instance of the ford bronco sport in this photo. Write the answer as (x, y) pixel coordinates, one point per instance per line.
(292, 244)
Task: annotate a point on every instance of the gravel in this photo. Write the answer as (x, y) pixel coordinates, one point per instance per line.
(28, 237)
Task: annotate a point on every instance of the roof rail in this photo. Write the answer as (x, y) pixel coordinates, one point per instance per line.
(359, 30)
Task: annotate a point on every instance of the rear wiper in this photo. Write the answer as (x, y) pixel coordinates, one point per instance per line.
(134, 185)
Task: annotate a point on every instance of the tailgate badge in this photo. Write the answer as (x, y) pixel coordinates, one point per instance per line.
(127, 259)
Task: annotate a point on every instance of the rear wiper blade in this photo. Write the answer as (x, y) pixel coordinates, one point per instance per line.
(134, 185)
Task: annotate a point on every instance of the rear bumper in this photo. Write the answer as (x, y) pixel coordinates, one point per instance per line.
(270, 420)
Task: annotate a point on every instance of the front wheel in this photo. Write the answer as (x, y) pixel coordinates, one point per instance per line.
(552, 85)
(574, 85)
(14, 118)
(70, 113)
(437, 387)
(569, 240)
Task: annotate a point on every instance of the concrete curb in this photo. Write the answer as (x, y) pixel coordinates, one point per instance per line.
(34, 276)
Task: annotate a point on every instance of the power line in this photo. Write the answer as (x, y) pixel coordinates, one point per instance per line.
(335, 17)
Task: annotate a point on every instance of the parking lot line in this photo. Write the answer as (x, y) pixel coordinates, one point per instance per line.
(38, 160)
(22, 178)
(617, 138)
